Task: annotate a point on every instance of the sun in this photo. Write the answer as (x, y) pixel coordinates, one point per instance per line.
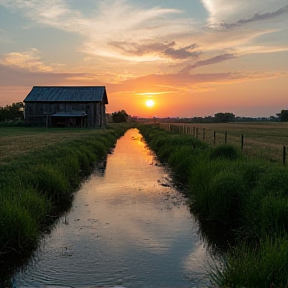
(150, 103)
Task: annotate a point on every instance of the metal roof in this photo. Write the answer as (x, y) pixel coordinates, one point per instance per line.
(67, 93)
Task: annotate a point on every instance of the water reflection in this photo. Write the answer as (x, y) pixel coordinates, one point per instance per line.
(128, 226)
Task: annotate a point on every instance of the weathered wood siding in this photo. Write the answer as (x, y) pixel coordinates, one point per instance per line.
(37, 112)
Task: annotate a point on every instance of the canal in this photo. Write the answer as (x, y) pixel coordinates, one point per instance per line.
(128, 226)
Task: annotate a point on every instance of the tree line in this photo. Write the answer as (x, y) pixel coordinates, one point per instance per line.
(12, 112)
(15, 112)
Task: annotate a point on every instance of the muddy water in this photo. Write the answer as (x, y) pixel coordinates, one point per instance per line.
(128, 226)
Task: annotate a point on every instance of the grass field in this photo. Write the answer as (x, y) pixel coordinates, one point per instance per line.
(262, 140)
(15, 141)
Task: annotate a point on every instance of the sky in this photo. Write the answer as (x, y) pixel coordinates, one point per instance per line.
(193, 58)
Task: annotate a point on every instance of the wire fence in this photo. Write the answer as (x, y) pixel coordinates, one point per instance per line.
(269, 145)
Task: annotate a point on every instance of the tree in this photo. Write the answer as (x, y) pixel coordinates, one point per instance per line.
(12, 112)
(283, 116)
(120, 116)
(224, 117)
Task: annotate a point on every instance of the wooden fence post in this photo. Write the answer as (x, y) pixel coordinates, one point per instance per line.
(284, 155)
(242, 141)
(203, 133)
(214, 141)
(225, 137)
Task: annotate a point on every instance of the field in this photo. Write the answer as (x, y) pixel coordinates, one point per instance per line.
(262, 140)
(16, 141)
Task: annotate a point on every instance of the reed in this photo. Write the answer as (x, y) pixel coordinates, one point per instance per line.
(248, 266)
(225, 152)
(37, 183)
(246, 196)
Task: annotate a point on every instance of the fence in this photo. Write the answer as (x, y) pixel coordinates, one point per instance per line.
(252, 144)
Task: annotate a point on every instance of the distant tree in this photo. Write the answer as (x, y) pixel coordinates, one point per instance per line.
(12, 112)
(274, 119)
(224, 117)
(120, 116)
(283, 116)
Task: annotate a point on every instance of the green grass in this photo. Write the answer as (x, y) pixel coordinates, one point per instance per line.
(249, 266)
(36, 184)
(264, 140)
(247, 197)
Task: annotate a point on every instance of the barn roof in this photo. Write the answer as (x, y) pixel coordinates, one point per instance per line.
(67, 93)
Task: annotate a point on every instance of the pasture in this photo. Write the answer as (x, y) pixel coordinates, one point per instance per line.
(16, 141)
(264, 140)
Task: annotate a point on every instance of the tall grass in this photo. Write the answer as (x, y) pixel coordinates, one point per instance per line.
(265, 265)
(36, 184)
(248, 197)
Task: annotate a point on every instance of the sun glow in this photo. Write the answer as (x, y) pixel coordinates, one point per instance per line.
(150, 103)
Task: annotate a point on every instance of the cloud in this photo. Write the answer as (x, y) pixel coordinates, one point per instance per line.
(179, 83)
(19, 77)
(256, 17)
(182, 53)
(105, 23)
(29, 60)
(160, 49)
(209, 61)
(232, 11)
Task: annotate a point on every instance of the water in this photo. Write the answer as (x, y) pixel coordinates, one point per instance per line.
(128, 226)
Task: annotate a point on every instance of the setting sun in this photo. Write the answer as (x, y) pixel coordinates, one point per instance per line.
(150, 103)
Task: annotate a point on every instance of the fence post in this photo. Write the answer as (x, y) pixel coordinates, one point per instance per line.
(214, 141)
(194, 131)
(203, 133)
(242, 141)
(225, 137)
(284, 155)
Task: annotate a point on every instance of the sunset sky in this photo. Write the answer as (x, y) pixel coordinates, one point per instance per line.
(192, 57)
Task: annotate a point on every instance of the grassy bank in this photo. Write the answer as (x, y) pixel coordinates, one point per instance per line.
(245, 197)
(39, 171)
(261, 139)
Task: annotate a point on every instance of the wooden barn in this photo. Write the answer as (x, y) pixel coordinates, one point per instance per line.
(66, 106)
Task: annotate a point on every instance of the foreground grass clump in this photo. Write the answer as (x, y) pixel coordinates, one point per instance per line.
(35, 186)
(265, 265)
(225, 152)
(247, 198)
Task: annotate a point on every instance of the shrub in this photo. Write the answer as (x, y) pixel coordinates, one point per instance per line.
(225, 152)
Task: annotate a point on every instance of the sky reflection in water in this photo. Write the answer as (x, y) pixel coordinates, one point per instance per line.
(126, 227)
